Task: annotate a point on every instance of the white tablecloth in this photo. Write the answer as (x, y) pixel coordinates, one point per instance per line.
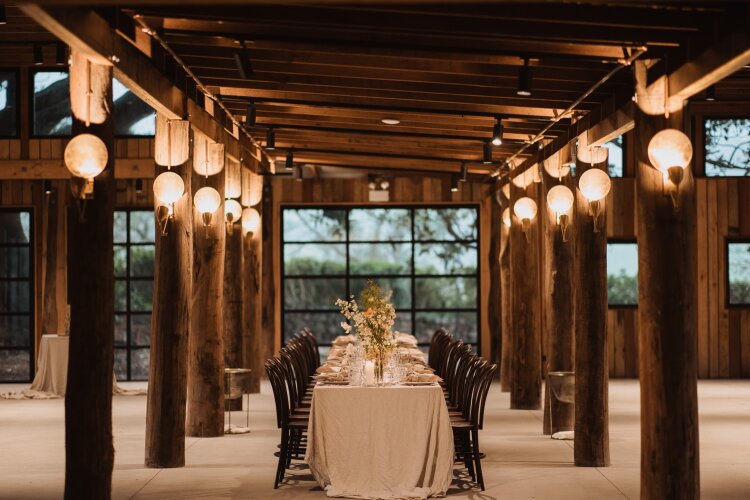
(380, 442)
(52, 372)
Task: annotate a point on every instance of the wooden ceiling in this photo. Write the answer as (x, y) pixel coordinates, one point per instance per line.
(325, 75)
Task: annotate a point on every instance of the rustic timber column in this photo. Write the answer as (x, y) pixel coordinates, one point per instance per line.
(233, 304)
(495, 300)
(667, 308)
(525, 393)
(251, 307)
(170, 318)
(506, 304)
(591, 446)
(51, 217)
(89, 454)
(205, 416)
(559, 295)
(270, 272)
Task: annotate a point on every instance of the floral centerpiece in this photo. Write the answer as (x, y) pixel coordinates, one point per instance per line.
(372, 320)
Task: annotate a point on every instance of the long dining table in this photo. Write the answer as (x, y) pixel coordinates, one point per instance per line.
(380, 442)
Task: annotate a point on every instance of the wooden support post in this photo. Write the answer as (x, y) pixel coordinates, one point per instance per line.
(591, 447)
(268, 298)
(495, 311)
(667, 242)
(205, 416)
(525, 393)
(559, 295)
(233, 305)
(89, 453)
(251, 308)
(506, 356)
(51, 217)
(170, 324)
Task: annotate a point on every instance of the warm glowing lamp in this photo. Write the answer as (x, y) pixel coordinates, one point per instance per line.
(525, 209)
(250, 220)
(560, 199)
(168, 188)
(506, 217)
(594, 184)
(86, 157)
(207, 200)
(670, 151)
(232, 213)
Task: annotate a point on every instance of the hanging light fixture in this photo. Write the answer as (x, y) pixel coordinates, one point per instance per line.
(454, 183)
(232, 213)
(290, 159)
(487, 153)
(464, 173)
(250, 221)
(300, 173)
(3, 15)
(497, 132)
(251, 115)
(506, 217)
(61, 53)
(242, 60)
(168, 189)
(711, 93)
(670, 151)
(524, 79)
(270, 139)
(560, 200)
(38, 56)
(594, 185)
(525, 209)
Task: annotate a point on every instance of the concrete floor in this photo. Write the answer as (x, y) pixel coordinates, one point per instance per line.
(520, 463)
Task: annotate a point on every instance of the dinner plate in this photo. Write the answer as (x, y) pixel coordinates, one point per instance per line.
(419, 383)
(334, 382)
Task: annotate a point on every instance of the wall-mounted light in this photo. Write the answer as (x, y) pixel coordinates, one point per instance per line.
(560, 199)
(85, 157)
(168, 188)
(250, 221)
(506, 217)
(525, 209)
(497, 132)
(594, 185)
(232, 213)
(207, 200)
(670, 151)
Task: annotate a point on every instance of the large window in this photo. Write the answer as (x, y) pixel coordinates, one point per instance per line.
(426, 256)
(727, 146)
(134, 290)
(8, 104)
(622, 274)
(616, 157)
(738, 275)
(51, 104)
(16, 300)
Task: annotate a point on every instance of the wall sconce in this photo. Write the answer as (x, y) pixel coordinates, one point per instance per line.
(506, 217)
(594, 185)
(525, 209)
(670, 151)
(560, 199)
(232, 213)
(250, 221)
(207, 200)
(168, 188)
(85, 157)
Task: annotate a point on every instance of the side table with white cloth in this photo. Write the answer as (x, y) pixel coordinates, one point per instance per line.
(380, 442)
(52, 365)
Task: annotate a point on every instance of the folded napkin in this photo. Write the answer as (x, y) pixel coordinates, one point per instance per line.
(343, 340)
(423, 377)
(328, 369)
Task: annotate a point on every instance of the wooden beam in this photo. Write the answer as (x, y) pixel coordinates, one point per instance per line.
(125, 168)
(618, 123)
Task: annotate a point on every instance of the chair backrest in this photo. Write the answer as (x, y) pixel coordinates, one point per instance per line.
(274, 372)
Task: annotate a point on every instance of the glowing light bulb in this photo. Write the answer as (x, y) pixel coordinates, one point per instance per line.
(506, 217)
(207, 200)
(560, 199)
(168, 187)
(670, 148)
(86, 156)
(250, 220)
(594, 184)
(525, 208)
(232, 211)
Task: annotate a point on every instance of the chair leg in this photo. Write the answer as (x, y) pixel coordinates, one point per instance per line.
(282, 457)
(477, 459)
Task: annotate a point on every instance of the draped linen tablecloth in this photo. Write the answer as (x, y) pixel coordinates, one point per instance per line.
(380, 442)
(52, 372)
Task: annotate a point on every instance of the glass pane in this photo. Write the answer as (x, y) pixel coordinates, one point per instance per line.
(121, 227)
(303, 259)
(14, 262)
(445, 224)
(325, 326)
(15, 331)
(52, 103)
(15, 227)
(121, 329)
(133, 117)
(8, 104)
(142, 227)
(139, 364)
(462, 325)
(314, 224)
(615, 156)
(142, 260)
(727, 147)
(121, 364)
(401, 288)
(445, 293)
(121, 255)
(315, 293)
(403, 322)
(739, 273)
(15, 296)
(622, 273)
(141, 295)
(121, 295)
(15, 366)
(376, 259)
(445, 258)
(140, 329)
(379, 224)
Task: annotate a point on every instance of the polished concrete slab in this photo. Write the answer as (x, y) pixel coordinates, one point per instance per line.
(520, 463)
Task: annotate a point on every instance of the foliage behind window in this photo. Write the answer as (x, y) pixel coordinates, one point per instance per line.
(616, 157)
(727, 147)
(622, 274)
(8, 104)
(738, 266)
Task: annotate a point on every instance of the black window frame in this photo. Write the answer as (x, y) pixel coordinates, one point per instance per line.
(17, 74)
(624, 148)
(32, 73)
(127, 278)
(412, 275)
(621, 241)
(727, 241)
(704, 118)
(31, 348)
